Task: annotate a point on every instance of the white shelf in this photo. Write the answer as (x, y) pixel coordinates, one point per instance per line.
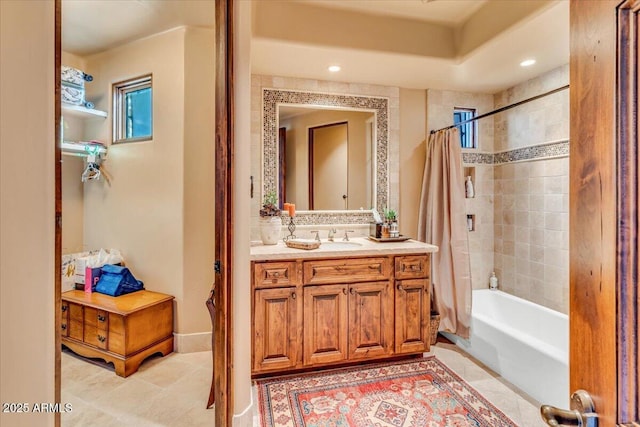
(80, 111)
(78, 149)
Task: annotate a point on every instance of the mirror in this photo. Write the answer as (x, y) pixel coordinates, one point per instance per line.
(326, 158)
(273, 101)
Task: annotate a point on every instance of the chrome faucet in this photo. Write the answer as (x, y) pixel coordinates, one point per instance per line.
(346, 235)
(332, 232)
(317, 235)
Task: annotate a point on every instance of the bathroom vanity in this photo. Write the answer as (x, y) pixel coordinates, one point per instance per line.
(343, 302)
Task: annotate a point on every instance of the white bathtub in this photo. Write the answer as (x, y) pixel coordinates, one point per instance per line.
(526, 343)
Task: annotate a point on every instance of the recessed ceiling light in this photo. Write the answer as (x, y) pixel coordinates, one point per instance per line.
(527, 62)
(334, 68)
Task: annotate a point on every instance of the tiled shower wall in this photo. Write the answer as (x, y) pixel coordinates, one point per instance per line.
(521, 183)
(531, 200)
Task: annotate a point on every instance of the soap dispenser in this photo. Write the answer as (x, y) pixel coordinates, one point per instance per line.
(493, 281)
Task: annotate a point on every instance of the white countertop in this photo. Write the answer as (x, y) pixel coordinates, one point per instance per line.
(357, 246)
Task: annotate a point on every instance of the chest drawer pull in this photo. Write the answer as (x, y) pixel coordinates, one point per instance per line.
(64, 308)
(101, 338)
(64, 327)
(101, 318)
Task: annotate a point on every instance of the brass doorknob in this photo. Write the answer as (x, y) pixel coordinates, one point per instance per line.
(582, 412)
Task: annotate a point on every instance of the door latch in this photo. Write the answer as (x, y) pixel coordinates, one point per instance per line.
(582, 412)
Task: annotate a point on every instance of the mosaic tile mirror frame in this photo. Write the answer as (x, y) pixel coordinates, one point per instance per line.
(272, 98)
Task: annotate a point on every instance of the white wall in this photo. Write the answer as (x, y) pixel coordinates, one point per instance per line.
(242, 405)
(27, 216)
(158, 209)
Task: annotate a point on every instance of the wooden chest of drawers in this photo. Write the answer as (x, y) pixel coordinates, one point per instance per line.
(122, 330)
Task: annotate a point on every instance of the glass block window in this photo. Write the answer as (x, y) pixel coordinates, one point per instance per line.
(468, 138)
(133, 110)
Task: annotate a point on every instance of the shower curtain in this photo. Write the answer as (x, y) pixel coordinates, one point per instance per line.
(443, 222)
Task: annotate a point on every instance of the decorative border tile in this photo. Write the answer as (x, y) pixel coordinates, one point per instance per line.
(480, 158)
(330, 217)
(533, 152)
(270, 100)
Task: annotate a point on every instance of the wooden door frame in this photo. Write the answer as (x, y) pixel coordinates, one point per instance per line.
(604, 307)
(57, 287)
(628, 299)
(224, 190)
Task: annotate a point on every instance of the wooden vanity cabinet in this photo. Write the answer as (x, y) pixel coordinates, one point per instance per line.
(321, 312)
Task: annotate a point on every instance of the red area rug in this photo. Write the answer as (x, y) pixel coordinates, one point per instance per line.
(415, 393)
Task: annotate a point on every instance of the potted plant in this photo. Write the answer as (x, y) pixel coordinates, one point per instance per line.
(392, 223)
(270, 222)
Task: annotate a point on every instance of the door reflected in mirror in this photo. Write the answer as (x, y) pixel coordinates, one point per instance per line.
(327, 158)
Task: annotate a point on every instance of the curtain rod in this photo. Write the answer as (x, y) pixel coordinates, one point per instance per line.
(501, 109)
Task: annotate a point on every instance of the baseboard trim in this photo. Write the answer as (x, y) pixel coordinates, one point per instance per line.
(245, 418)
(191, 343)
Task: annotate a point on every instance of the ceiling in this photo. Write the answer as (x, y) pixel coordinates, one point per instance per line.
(466, 45)
(91, 26)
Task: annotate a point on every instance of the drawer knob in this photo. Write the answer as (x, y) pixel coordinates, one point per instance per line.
(64, 327)
(276, 274)
(344, 291)
(351, 291)
(101, 318)
(400, 288)
(64, 308)
(293, 295)
(101, 338)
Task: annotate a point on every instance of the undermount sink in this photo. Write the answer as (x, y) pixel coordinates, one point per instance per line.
(339, 244)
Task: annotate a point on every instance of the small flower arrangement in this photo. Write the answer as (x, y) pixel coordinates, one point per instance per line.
(270, 205)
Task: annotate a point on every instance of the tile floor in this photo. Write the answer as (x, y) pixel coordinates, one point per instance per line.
(172, 391)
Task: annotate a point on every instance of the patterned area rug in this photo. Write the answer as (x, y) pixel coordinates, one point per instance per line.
(415, 393)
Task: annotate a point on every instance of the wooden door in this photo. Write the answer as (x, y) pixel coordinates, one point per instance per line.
(413, 315)
(604, 302)
(277, 325)
(325, 324)
(370, 320)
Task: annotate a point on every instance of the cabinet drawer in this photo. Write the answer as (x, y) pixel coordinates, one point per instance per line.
(95, 317)
(276, 274)
(346, 270)
(412, 267)
(75, 330)
(75, 312)
(94, 336)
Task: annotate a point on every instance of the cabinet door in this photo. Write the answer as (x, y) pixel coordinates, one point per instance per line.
(325, 324)
(277, 326)
(412, 316)
(370, 320)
